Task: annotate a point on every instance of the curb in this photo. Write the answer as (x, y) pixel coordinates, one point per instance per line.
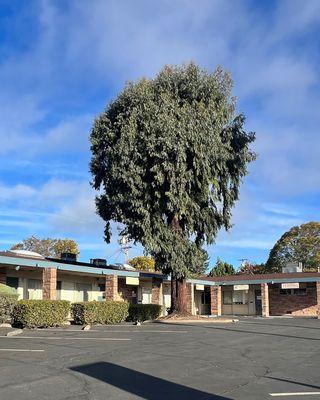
(14, 333)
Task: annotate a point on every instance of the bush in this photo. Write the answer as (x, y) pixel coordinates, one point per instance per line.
(40, 313)
(8, 299)
(144, 312)
(100, 312)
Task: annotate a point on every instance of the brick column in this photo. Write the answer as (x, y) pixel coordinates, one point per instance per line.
(265, 299)
(111, 287)
(156, 291)
(3, 275)
(215, 300)
(318, 298)
(49, 284)
(190, 298)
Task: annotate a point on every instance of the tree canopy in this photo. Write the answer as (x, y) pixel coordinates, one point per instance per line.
(299, 244)
(48, 247)
(222, 268)
(251, 269)
(168, 155)
(144, 263)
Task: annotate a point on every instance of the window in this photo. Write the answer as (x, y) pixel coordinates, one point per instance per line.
(102, 287)
(296, 292)
(300, 292)
(12, 282)
(58, 287)
(285, 291)
(240, 297)
(34, 289)
(227, 297)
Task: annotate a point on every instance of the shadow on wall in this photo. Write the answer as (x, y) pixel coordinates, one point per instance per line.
(146, 386)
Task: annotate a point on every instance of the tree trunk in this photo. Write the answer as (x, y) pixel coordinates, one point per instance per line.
(179, 302)
(173, 294)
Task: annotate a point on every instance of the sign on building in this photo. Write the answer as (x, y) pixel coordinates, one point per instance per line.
(132, 281)
(240, 287)
(290, 285)
(199, 287)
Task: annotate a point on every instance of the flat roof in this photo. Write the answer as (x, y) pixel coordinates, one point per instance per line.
(8, 258)
(262, 278)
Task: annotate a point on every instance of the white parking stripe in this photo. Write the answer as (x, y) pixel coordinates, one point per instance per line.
(63, 338)
(114, 331)
(21, 350)
(295, 394)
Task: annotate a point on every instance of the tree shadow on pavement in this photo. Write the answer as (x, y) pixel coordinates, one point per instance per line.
(146, 386)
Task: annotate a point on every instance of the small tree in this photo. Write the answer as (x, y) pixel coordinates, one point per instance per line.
(300, 244)
(48, 247)
(143, 263)
(168, 156)
(252, 269)
(222, 268)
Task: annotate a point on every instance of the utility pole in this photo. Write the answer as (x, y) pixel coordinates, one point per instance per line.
(125, 247)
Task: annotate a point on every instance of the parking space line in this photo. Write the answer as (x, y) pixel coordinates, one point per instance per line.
(116, 331)
(63, 338)
(295, 394)
(22, 350)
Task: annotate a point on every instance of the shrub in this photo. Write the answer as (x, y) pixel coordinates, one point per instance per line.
(8, 299)
(100, 312)
(40, 313)
(144, 312)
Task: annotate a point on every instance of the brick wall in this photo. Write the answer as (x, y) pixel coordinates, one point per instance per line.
(215, 300)
(299, 305)
(111, 287)
(265, 300)
(3, 276)
(49, 284)
(125, 291)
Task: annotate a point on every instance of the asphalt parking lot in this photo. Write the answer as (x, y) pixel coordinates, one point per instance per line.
(251, 359)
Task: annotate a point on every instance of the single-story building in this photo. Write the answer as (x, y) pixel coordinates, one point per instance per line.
(37, 277)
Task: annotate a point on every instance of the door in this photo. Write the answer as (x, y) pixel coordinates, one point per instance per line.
(82, 291)
(258, 303)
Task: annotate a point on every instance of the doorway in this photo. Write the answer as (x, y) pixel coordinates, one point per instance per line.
(258, 303)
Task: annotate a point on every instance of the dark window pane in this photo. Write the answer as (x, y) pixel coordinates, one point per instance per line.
(12, 282)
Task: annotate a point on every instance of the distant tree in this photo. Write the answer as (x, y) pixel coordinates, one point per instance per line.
(144, 263)
(168, 157)
(222, 268)
(251, 269)
(299, 244)
(48, 247)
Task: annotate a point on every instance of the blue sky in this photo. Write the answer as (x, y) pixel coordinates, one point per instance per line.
(61, 62)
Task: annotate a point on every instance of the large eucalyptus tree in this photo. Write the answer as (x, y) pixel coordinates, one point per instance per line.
(168, 155)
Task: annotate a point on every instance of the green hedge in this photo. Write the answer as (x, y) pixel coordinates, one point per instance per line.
(40, 313)
(144, 312)
(8, 299)
(100, 312)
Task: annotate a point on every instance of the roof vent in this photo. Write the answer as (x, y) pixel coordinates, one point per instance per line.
(68, 257)
(292, 267)
(100, 262)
